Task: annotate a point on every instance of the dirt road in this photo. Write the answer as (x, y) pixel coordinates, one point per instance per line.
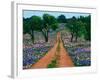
(64, 59)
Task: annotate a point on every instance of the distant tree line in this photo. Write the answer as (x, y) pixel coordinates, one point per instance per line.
(77, 26)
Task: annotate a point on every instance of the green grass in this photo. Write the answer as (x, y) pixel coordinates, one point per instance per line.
(52, 64)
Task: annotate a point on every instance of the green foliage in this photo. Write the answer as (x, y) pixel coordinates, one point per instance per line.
(79, 27)
(87, 21)
(71, 25)
(35, 23)
(32, 24)
(49, 22)
(26, 25)
(54, 26)
(61, 19)
(52, 64)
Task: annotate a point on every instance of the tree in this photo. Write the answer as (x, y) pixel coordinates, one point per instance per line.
(61, 19)
(87, 21)
(70, 25)
(49, 22)
(26, 25)
(79, 29)
(35, 23)
(76, 27)
(54, 26)
(88, 28)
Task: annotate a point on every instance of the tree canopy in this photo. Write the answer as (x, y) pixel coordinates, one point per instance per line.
(36, 23)
(78, 27)
(61, 19)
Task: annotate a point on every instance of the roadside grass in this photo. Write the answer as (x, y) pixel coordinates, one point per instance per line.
(52, 64)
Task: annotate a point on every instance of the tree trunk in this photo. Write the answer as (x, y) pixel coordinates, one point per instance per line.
(72, 37)
(47, 37)
(32, 35)
(45, 34)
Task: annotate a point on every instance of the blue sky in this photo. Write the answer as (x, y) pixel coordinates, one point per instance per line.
(29, 13)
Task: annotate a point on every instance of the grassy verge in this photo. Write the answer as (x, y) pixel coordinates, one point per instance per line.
(52, 64)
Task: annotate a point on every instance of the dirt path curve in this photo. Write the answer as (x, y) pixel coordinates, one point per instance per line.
(64, 60)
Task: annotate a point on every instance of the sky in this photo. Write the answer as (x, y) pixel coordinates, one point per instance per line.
(29, 13)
